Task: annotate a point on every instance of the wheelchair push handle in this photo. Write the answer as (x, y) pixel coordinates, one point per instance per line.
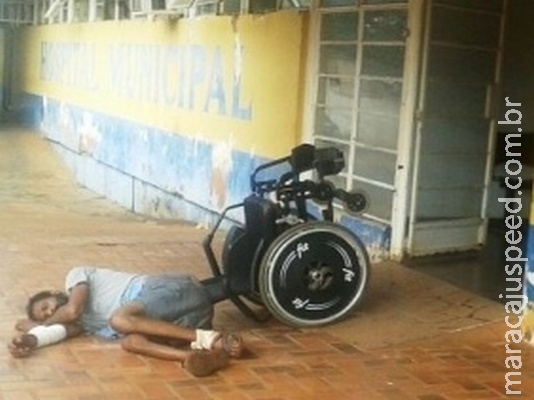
(305, 157)
(326, 161)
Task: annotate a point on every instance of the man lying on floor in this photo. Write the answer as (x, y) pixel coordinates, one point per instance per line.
(152, 315)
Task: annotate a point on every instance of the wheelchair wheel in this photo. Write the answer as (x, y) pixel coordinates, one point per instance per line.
(314, 274)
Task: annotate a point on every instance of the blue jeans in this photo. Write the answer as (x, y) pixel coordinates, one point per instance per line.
(179, 299)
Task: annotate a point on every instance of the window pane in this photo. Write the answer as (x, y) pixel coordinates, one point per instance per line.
(380, 199)
(465, 28)
(375, 165)
(380, 97)
(337, 3)
(451, 171)
(445, 99)
(231, 6)
(385, 25)
(378, 130)
(383, 61)
(378, 122)
(490, 5)
(306, 4)
(262, 6)
(467, 65)
(335, 92)
(442, 203)
(384, 1)
(455, 135)
(338, 60)
(339, 26)
(333, 122)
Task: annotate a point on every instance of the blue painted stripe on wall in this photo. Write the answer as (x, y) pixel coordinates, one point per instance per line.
(160, 173)
(26, 109)
(377, 237)
(171, 162)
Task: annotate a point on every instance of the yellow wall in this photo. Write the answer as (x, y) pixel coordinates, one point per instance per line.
(215, 78)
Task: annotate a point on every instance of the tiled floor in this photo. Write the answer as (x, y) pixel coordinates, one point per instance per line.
(414, 337)
(480, 271)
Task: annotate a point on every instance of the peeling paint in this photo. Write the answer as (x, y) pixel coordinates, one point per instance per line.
(376, 237)
(238, 57)
(221, 159)
(527, 325)
(90, 137)
(166, 174)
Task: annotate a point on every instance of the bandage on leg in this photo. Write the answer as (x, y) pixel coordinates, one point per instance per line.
(205, 339)
(47, 335)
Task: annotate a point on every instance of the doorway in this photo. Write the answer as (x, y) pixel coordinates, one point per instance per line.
(456, 126)
(411, 102)
(482, 269)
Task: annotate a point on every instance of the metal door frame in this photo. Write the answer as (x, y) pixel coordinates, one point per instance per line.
(481, 222)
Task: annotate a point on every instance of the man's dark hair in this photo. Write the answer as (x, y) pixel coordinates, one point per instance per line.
(62, 299)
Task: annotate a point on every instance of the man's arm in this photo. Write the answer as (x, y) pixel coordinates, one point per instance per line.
(72, 311)
(24, 325)
(24, 344)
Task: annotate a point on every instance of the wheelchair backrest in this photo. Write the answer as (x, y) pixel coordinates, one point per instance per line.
(245, 246)
(260, 218)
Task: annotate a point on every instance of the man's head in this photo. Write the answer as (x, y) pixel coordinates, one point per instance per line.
(43, 304)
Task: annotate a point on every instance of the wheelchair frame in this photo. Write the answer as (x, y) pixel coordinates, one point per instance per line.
(329, 276)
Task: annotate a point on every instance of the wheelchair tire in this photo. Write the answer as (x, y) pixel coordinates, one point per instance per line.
(314, 274)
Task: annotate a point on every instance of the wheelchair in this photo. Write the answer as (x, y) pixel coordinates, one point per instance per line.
(288, 257)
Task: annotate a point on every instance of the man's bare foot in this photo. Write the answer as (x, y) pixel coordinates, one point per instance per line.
(202, 363)
(231, 343)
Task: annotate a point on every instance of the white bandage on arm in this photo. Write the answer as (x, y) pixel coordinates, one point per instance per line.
(48, 334)
(204, 339)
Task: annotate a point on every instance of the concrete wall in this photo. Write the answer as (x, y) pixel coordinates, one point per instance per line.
(168, 118)
(159, 114)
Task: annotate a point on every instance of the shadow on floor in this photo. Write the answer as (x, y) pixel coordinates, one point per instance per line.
(481, 272)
